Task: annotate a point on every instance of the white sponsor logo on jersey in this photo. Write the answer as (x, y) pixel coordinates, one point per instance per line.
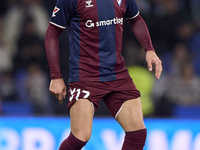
(119, 2)
(89, 24)
(56, 9)
(88, 3)
(114, 21)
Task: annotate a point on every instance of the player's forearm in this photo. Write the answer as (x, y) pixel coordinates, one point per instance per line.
(52, 50)
(141, 32)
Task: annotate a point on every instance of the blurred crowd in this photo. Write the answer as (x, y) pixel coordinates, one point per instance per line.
(174, 27)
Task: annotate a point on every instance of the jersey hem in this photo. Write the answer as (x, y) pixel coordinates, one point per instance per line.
(92, 80)
(113, 79)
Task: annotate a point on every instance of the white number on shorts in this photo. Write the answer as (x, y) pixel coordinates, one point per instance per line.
(87, 93)
(78, 93)
(72, 93)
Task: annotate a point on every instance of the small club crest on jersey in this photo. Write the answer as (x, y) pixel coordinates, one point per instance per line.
(119, 2)
(88, 3)
(56, 9)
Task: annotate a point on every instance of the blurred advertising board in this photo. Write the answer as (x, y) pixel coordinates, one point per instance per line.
(46, 133)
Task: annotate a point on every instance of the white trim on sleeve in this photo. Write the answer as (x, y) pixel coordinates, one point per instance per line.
(58, 25)
(133, 16)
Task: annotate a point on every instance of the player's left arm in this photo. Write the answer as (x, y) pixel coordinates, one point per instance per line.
(141, 32)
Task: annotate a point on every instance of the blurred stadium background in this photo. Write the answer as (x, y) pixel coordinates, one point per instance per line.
(31, 119)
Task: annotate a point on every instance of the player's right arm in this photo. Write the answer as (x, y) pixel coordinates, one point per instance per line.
(57, 86)
(63, 11)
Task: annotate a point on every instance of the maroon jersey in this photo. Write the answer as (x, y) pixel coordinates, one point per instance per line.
(95, 36)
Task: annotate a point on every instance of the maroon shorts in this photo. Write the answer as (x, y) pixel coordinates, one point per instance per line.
(114, 93)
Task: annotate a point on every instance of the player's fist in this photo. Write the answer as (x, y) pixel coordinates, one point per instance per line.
(58, 89)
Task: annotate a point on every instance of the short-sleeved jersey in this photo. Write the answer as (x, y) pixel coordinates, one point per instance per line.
(95, 36)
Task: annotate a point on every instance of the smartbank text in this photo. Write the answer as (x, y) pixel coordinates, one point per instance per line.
(116, 20)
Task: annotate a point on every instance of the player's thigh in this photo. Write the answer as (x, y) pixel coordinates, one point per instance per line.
(130, 116)
(81, 114)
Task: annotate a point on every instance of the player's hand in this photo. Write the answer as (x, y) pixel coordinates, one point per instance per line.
(151, 59)
(58, 89)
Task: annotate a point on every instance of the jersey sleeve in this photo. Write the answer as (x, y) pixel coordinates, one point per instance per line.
(63, 12)
(131, 9)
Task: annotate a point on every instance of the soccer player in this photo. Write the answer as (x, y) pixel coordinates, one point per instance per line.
(97, 69)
